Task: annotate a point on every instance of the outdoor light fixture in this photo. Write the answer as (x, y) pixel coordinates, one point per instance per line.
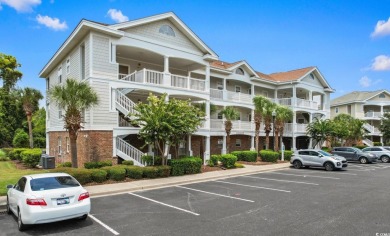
(273, 129)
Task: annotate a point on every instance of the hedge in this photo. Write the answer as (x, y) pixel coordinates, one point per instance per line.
(7, 151)
(152, 161)
(250, 156)
(377, 144)
(163, 171)
(31, 157)
(117, 173)
(287, 155)
(228, 160)
(361, 146)
(15, 153)
(65, 164)
(214, 160)
(134, 172)
(269, 155)
(128, 163)
(84, 176)
(150, 172)
(186, 165)
(97, 164)
(98, 175)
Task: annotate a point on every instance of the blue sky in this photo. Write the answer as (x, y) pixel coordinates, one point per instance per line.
(349, 41)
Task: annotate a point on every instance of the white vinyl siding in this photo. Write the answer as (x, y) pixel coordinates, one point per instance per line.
(101, 113)
(102, 67)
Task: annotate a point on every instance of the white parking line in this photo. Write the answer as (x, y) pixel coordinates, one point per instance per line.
(251, 186)
(164, 204)
(104, 225)
(221, 195)
(312, 171)
(384, 165)
(314, 176)
(280, 180)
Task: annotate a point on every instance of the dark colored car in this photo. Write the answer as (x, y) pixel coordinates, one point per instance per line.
(355, 154)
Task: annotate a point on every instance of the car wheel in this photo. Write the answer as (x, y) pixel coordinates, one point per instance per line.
(363, 160)
(84, 217)
(8, 208)
(385, 159)
(297, 164)
(329, 166)
(21, 226)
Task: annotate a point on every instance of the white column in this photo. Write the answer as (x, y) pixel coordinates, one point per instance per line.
(310, 120)
(166, 64)
(223, 151)
(381, 110)
(150, 150)
(207, 121)
(294, 146)
(114, 145)
(113, 53)
(253, 143)
(253, 91)
(167, 75)
(294, 97)
(310, 95)
(275, 94)
(224, 89)
(207, 150)
(207, 85)
(190, 153)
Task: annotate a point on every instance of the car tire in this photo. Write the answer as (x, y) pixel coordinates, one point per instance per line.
(84, 217)
(363, 160)
(329, 166)
(21, 225)
(8, 208)
(385, 159)
(297, 164)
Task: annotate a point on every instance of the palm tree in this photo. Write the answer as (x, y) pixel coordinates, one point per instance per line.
(283, 114)
(320, 131)
(73, 97)
(230, 114)
(267, 116)
(260, 103)
(30, 101)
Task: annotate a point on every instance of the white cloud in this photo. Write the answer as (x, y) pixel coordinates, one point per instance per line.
(365, 82)
(21, 5)
(117, 15)
(53, 23)
(382, 28)
(381, 62)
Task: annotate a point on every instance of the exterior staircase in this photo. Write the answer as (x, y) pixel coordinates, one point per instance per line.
(128, 152)
(124, 104)
(368, 142)
(371, 129)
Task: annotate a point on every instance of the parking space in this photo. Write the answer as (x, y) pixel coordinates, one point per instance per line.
(289, 201)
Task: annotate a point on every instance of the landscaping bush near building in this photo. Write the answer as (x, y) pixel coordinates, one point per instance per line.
(7, 151)
(84, 176)
(287, 155)
(98, 175)
(134, 172)
(3, 156)
(15, 153)
(128, 163)
(326, 149)
(150, 172)
(152, 160)
(186, 165)
(65, 164)
(238, 165)
(250, 156)
(214, 160)
(31, 157)
(377, 144)
(360, 146)
(228, 160)
(269, 155)
(117, 173)
(97, 164)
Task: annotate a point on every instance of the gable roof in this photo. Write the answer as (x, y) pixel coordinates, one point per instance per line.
(356, 96)
(177, 22)
(292, 74)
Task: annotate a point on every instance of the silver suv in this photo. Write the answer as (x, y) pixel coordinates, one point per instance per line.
(317, 158)
(355, 154)
(383, 153)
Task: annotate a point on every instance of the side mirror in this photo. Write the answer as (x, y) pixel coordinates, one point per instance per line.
(320, 155)
(9, 186)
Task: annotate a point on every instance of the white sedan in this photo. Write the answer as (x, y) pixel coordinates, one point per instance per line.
(44, 198)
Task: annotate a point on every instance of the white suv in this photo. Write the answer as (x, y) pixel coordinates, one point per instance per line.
(317, 158)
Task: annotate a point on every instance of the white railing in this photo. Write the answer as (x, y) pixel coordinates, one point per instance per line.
(283, 101)
(368, 142)
(179, 81)
(216, 93)
(197, 84)
(372, 114)
(123, 122)
(300, 127)
(371, 129)
(288, 128)
(153, 77)
(217, 124)
(130, 151)
(307, 104)
(241, 125)
(125, 102)
(239, 97)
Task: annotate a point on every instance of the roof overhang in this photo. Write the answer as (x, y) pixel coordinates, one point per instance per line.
(322, 79)
(379, 92)
(74, 38)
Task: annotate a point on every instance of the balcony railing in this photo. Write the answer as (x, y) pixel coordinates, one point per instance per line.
(146, 76)
(371, 129)
(373, 114)
(307, 104)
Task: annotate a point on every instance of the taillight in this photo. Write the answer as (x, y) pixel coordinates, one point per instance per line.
(36, 202)
(83, 196)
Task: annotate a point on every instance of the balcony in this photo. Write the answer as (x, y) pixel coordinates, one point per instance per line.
(238, 125)
(146, 76)
(373, 114)
(230, 96)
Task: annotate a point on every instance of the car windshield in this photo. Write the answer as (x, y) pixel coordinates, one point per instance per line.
(357, 150)
(326, 154)
(48, 183)
(387, 148)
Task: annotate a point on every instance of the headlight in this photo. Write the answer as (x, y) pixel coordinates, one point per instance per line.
(338, 163)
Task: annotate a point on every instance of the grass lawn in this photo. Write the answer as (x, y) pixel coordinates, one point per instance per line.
(9, 174)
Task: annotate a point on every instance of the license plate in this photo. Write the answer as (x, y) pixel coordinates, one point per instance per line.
(62, 201)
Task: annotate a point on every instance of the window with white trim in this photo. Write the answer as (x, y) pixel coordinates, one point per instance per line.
(220, 116)
(238, 142)
(336, 110)
(167, 30)
(219, 86)
(59, 145)
(67, 145)
(240, 71)
(67, 66)
(238, 89)
(59, 75)
(249, 91)
(382, 95)
(59, 114)
(220, 143)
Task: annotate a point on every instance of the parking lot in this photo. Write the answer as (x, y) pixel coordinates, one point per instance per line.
(312, 201)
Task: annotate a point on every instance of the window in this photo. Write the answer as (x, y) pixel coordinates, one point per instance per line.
(249, 117)
(220, 143)
(306, 153)
(301, 121)
(376, 149)
(238, 142)
(67, 145)
(239, 116)
(250, 91)
(21, 184)
(123, 69)
(336, 110)
(59, 75)
(167, 30)
(82, 61)
(240, 71)
(312, 76)
(382, 95)
(48, 183)
(67, 66)
(59, 114)
(220, 116)
(219, 86)
(238, 89)
(59, 145)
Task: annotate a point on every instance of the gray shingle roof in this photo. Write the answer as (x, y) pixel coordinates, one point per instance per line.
(355, 96)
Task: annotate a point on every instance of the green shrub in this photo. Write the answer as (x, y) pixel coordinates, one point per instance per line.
(148, 160)
(4, 158)
(228, 160)
(65, 164)
(250, 156)
(377, 144)
(7, 151)
(186, 165)
(15, 153)
(117, 173)
(134, 172)
(39, 142)
(163, 171)
(326, 149)
(214, 160)
(67, 170)
(360, 146)
(31, 157)
(97, 164)
(287, 155)
(269, 155)
(21, 139)
(150, 172)
(98, 175)
(128, 163)
(238, 165)
(84, 176)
